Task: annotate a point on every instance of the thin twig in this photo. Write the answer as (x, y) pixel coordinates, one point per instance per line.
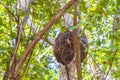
(27, 64)
(111, 64)
(20, 26)
(96, 63)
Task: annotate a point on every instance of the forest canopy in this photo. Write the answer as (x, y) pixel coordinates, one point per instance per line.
(28, 29)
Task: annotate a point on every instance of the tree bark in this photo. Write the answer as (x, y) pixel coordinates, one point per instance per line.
(77, 43)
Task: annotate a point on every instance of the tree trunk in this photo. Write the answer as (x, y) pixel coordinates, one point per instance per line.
(71, 71)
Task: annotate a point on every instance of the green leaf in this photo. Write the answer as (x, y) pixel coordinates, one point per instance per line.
(98, 42)
(73, 28)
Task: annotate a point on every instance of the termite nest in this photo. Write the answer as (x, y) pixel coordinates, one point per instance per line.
(64, 47)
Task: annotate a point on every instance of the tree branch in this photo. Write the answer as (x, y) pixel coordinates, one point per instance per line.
(40, 35)
(111, 64)
(20, 26)
(77, 43)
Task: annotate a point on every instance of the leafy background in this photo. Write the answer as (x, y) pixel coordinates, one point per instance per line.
(102, 21)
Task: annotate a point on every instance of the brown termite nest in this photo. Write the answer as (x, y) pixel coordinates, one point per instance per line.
(64, 47)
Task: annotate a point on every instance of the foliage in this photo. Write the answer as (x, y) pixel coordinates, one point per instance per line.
(102, 21)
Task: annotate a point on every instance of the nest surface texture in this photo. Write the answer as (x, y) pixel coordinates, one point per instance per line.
(64, 47)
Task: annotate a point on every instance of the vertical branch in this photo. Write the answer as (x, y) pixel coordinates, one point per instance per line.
(77, 43)
(75, 13)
